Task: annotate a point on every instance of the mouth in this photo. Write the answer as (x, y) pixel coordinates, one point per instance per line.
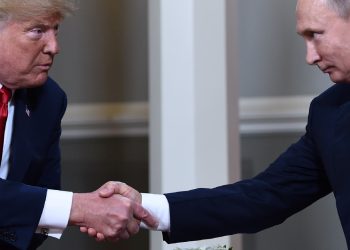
(326, 69)
(45, 67)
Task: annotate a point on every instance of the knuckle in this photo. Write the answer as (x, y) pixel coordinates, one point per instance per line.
(118, 230)
(110, 183)
(111, 234)
(128, 205)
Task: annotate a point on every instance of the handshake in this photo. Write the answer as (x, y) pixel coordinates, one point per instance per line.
(112, 212)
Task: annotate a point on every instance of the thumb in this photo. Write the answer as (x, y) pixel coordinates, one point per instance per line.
(108, 190)
(146, 217)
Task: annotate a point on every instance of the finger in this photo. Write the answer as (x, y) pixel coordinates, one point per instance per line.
(121, 188)
(108, 189)
(142, 214)
(133, 226)
(113, 239)
(83, 229)
(100, 237)
(92, 232)
(124, 235)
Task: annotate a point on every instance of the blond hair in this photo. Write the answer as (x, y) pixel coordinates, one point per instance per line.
(29, 9)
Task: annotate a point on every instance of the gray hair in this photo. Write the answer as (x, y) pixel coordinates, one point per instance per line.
(342, 7)
(29, 9)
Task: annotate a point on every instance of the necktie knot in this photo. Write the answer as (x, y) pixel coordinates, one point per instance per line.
(5, 95)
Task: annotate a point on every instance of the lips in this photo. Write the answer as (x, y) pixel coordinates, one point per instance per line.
(45, 66)
(325, 69)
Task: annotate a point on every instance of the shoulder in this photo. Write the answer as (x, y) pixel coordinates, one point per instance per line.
(49, 92)
(336, 95)
(48, 98)
(50, 87)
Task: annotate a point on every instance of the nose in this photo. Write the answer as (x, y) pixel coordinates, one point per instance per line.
(312, 56)
(51, 45)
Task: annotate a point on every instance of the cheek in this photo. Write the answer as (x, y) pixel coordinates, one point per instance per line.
(329, 52)
(22, 53)
(340, 55)
(20, 60)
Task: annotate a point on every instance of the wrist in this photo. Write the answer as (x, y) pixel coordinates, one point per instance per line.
(76, 217)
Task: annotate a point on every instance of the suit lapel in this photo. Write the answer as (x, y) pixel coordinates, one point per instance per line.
(21, 150)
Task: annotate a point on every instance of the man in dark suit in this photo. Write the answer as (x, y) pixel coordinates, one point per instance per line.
(317, 164)
(32, 106)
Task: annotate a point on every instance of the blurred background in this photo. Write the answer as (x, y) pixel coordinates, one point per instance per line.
(104, 69)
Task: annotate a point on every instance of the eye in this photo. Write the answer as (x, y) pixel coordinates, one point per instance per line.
(315, 34)
(56, 29)
(35, 33)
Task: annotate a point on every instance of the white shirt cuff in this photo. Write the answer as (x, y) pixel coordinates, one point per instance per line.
(55, 216)
(157, 205)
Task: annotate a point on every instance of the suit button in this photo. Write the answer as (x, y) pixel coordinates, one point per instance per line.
(12, 237)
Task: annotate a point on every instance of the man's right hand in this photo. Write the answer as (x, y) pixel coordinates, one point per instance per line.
(116, 217)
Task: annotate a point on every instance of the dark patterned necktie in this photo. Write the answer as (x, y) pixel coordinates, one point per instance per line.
(5, 95)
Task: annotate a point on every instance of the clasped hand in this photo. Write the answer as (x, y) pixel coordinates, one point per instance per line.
(112, 212)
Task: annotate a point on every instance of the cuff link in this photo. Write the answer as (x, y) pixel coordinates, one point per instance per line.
(44, 231)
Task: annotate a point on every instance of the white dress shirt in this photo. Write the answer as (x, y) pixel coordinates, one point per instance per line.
(55, 215)
(158, 206)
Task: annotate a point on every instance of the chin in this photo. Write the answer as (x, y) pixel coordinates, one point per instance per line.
(37, 82)
(27, 82)
(338, 79)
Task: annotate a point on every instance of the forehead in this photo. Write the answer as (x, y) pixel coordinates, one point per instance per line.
(47, 20)
(313, 13)
(41, 20)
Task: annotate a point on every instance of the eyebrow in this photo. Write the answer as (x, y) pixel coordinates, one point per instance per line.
(43, 25)
(43, 22)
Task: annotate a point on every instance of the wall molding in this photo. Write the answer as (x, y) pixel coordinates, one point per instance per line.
(105, 119)
(258, 115)
(263, 115)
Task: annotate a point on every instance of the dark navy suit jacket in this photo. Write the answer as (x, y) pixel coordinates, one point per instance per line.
(317, 164)
(34, 164)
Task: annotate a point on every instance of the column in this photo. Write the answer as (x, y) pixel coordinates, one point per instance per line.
(193, 101)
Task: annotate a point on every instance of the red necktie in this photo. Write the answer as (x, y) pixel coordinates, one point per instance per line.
(5, 96)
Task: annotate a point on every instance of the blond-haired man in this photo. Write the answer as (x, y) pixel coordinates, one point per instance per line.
(31, 206)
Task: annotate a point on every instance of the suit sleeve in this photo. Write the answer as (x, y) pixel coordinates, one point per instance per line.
(19, 223)
(294, 181)
(27, 199)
